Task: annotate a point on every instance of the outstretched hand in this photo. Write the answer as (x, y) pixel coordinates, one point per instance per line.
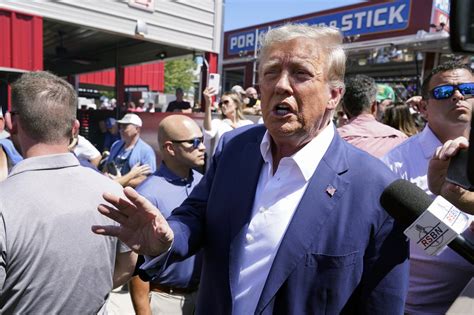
(437, 171)
(142, 227)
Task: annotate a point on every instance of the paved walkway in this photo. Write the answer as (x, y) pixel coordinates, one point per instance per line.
(119, 302)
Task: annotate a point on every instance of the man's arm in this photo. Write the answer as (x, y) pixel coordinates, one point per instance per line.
(135, 177)
(124, 266)
(437, 170)
(139, 291)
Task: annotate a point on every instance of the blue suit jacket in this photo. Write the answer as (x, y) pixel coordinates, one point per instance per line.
(340, 254)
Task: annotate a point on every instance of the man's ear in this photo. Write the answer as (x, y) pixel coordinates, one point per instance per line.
(423, 108)
(169, 148)
(12, 127)
(75, 128)
(335, 98)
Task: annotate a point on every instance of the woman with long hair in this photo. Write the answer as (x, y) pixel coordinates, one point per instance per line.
(399, 117)
(231, 117)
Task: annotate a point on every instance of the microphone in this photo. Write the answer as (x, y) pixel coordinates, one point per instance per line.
(407, 203)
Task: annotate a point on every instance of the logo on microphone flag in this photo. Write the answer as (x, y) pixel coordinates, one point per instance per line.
(437, 226)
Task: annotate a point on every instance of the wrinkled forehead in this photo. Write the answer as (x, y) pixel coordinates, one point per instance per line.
(454, 76)
(296, 50)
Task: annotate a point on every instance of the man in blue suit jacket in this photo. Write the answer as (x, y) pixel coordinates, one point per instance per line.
(288, 215)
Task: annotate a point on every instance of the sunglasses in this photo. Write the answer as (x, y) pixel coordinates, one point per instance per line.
(226, 102)
(195, 141)
(446, 91)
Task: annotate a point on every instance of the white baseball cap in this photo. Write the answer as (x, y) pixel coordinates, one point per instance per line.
(130, 119)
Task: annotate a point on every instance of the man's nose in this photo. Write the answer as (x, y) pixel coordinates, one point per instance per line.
(457, 95)
(283, 84)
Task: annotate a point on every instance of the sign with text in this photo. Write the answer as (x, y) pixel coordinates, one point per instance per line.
(378, 18)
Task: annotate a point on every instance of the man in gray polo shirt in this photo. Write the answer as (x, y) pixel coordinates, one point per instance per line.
(50, 261)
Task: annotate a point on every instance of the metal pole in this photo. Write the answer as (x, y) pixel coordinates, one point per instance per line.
(254, 71)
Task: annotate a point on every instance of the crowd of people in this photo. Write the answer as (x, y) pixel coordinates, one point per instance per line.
(286, 218)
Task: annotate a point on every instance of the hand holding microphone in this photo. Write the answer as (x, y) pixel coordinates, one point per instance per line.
(447, 174)
(406, 203)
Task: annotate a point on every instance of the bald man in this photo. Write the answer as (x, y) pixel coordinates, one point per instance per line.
(173, 291)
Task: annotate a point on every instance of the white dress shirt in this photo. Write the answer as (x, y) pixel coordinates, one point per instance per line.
(276, 199)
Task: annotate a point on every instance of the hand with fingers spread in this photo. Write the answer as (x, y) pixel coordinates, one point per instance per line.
(438, 169)
(142, 227)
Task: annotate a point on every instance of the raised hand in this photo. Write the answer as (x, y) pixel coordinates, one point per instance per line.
(438, 169)
(208, 93)
(142, 227)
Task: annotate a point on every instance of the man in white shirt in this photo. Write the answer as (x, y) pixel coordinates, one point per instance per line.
(435, 281)
(288, 216)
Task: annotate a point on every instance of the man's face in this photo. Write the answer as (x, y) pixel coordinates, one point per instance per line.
(381, 106)
(251, 93)
(297, 101)
(185, 153)
(128, 131)
(453, 113)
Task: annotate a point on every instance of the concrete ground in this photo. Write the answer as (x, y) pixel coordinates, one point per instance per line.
(119, 302)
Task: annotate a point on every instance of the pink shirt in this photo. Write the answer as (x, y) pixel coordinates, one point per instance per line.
(369, 135)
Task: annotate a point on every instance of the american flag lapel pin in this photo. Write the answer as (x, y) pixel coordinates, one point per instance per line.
(330, 190)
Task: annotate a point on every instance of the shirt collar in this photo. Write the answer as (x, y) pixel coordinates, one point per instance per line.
(44, 162)
(308, 157)
(428, 142)
(171, 177)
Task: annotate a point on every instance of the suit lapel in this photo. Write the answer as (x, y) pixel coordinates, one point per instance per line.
(325, 188)
(250, 165)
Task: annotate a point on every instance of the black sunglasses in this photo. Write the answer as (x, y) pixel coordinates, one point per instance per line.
(195, 141)
(446, 91)
(226, 102)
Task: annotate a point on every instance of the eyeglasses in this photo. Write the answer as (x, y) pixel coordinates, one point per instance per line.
(195, 141)
(446, 91)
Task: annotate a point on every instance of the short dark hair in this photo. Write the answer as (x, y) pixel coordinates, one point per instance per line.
(447, 66)
(360, 93)
(46, 105)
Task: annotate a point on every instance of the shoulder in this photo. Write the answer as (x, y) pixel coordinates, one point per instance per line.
(245, 132)
(403, 150)
(144, 146)
(240, 137)
(358, 161)
(196, 176)
(245, 122)
(117, 144)
(151, 185)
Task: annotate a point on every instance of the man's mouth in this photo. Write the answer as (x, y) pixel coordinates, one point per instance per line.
(282, 109)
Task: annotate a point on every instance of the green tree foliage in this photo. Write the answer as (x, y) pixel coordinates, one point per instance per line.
(179, 73)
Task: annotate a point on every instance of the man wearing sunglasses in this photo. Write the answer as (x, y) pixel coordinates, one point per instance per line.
(172, 291)
(436, 281)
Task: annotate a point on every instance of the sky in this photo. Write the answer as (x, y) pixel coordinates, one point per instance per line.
(243, 13)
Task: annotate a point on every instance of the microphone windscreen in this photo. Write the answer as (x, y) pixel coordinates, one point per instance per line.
(404, 201)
